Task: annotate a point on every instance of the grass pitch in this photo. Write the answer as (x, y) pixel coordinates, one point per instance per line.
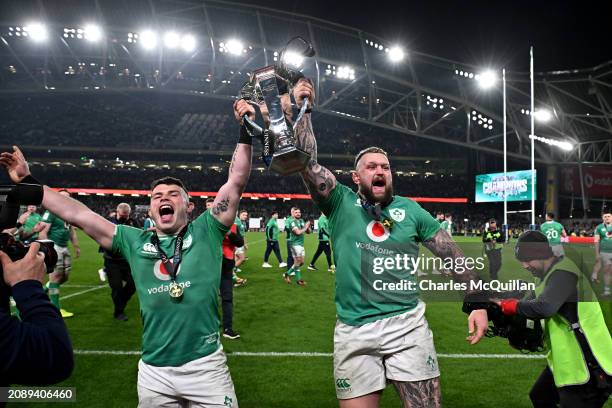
(274, 317)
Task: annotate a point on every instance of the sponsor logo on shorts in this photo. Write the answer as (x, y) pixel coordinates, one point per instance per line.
(228, 402)
(398, 214)
(343, 384)
(431, 363)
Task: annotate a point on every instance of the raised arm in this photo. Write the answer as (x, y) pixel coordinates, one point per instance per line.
(68, 209)
(319, 180)
(227, 199)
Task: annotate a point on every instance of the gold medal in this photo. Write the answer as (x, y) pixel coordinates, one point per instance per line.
(175, 291)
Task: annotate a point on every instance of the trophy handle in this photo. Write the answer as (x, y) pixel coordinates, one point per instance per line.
(254, 129)
(302, 111)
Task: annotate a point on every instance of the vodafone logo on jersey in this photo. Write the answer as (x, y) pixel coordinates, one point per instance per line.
(160, 271)
(377, 232)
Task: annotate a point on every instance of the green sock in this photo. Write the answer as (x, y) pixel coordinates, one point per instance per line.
(54, 294)
(233, 278)
(290, 271)
(298, 274)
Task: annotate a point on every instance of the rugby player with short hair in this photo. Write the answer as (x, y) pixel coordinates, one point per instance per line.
(377, 338)
(554, 231)
(60, 232)
(177, 276)
(297, 229)
(603, 248)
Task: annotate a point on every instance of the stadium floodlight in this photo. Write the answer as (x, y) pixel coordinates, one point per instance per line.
(396, 54)
(345, 72)
(543, 115)
(293, 58)
(563, 145)
(92, 32)
(36, 31)
(171, 39)
(487, 79)
(148, 39)
(234, 46)
(188, 43)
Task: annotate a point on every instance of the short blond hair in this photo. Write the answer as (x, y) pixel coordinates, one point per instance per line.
(124, 207)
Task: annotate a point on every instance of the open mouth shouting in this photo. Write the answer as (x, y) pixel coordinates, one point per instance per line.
(166, 213)
(379, 186)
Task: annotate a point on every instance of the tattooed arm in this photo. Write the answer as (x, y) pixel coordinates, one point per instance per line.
(228, 198)
(319, 180)
(443, 246)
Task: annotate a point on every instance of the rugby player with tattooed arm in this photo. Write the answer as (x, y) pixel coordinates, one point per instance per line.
(395, 342)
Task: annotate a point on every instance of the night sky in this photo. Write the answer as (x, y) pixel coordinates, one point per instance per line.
(565, 34)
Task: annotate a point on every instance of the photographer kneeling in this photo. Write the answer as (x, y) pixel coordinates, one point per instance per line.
(37, 349)
(575, 332)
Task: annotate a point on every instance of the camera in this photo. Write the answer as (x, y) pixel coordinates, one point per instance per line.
(11, 198)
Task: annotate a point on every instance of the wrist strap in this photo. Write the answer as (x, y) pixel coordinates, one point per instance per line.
(29, 179)
(245, 137)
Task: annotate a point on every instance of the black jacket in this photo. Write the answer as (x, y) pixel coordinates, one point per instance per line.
(37, 349)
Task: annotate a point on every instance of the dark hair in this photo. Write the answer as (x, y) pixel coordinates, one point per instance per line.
(295, 208)
(550, 214)
(532, 245)
(492, 221)
(170, 181)
(274, 212)
(439, 213)
(606, 210)
(447, 215)
(372, 149)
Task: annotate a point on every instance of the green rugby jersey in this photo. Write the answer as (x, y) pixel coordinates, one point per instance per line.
(296, 239)
(361, 242)
(241, 226)
(272, 230)
(175, 333)
(59, 232)
(323, 228)
(30, 223)
(605, 237)
(553, 231)
(446, 226)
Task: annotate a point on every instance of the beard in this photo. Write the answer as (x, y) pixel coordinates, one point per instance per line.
(366, 191)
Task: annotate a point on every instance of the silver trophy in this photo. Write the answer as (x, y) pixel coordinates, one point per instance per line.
(280, 151)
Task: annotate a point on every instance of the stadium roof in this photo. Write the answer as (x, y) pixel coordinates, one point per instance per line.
(215, 44)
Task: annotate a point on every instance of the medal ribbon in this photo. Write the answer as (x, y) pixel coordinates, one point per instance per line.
(171, 267)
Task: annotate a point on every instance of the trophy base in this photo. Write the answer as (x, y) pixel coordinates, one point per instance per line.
(289, 160)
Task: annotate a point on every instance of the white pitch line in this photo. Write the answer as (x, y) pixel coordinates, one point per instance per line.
(68, 285)
(313, 354)
(82, 292)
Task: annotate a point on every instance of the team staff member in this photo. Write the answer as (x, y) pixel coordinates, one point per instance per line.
(117, 268)
(272, 242)
(493, 239)
(182, 359)
(324, 246)
(367, 352)
(60, 232)
(554, 231)
(579, 344)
